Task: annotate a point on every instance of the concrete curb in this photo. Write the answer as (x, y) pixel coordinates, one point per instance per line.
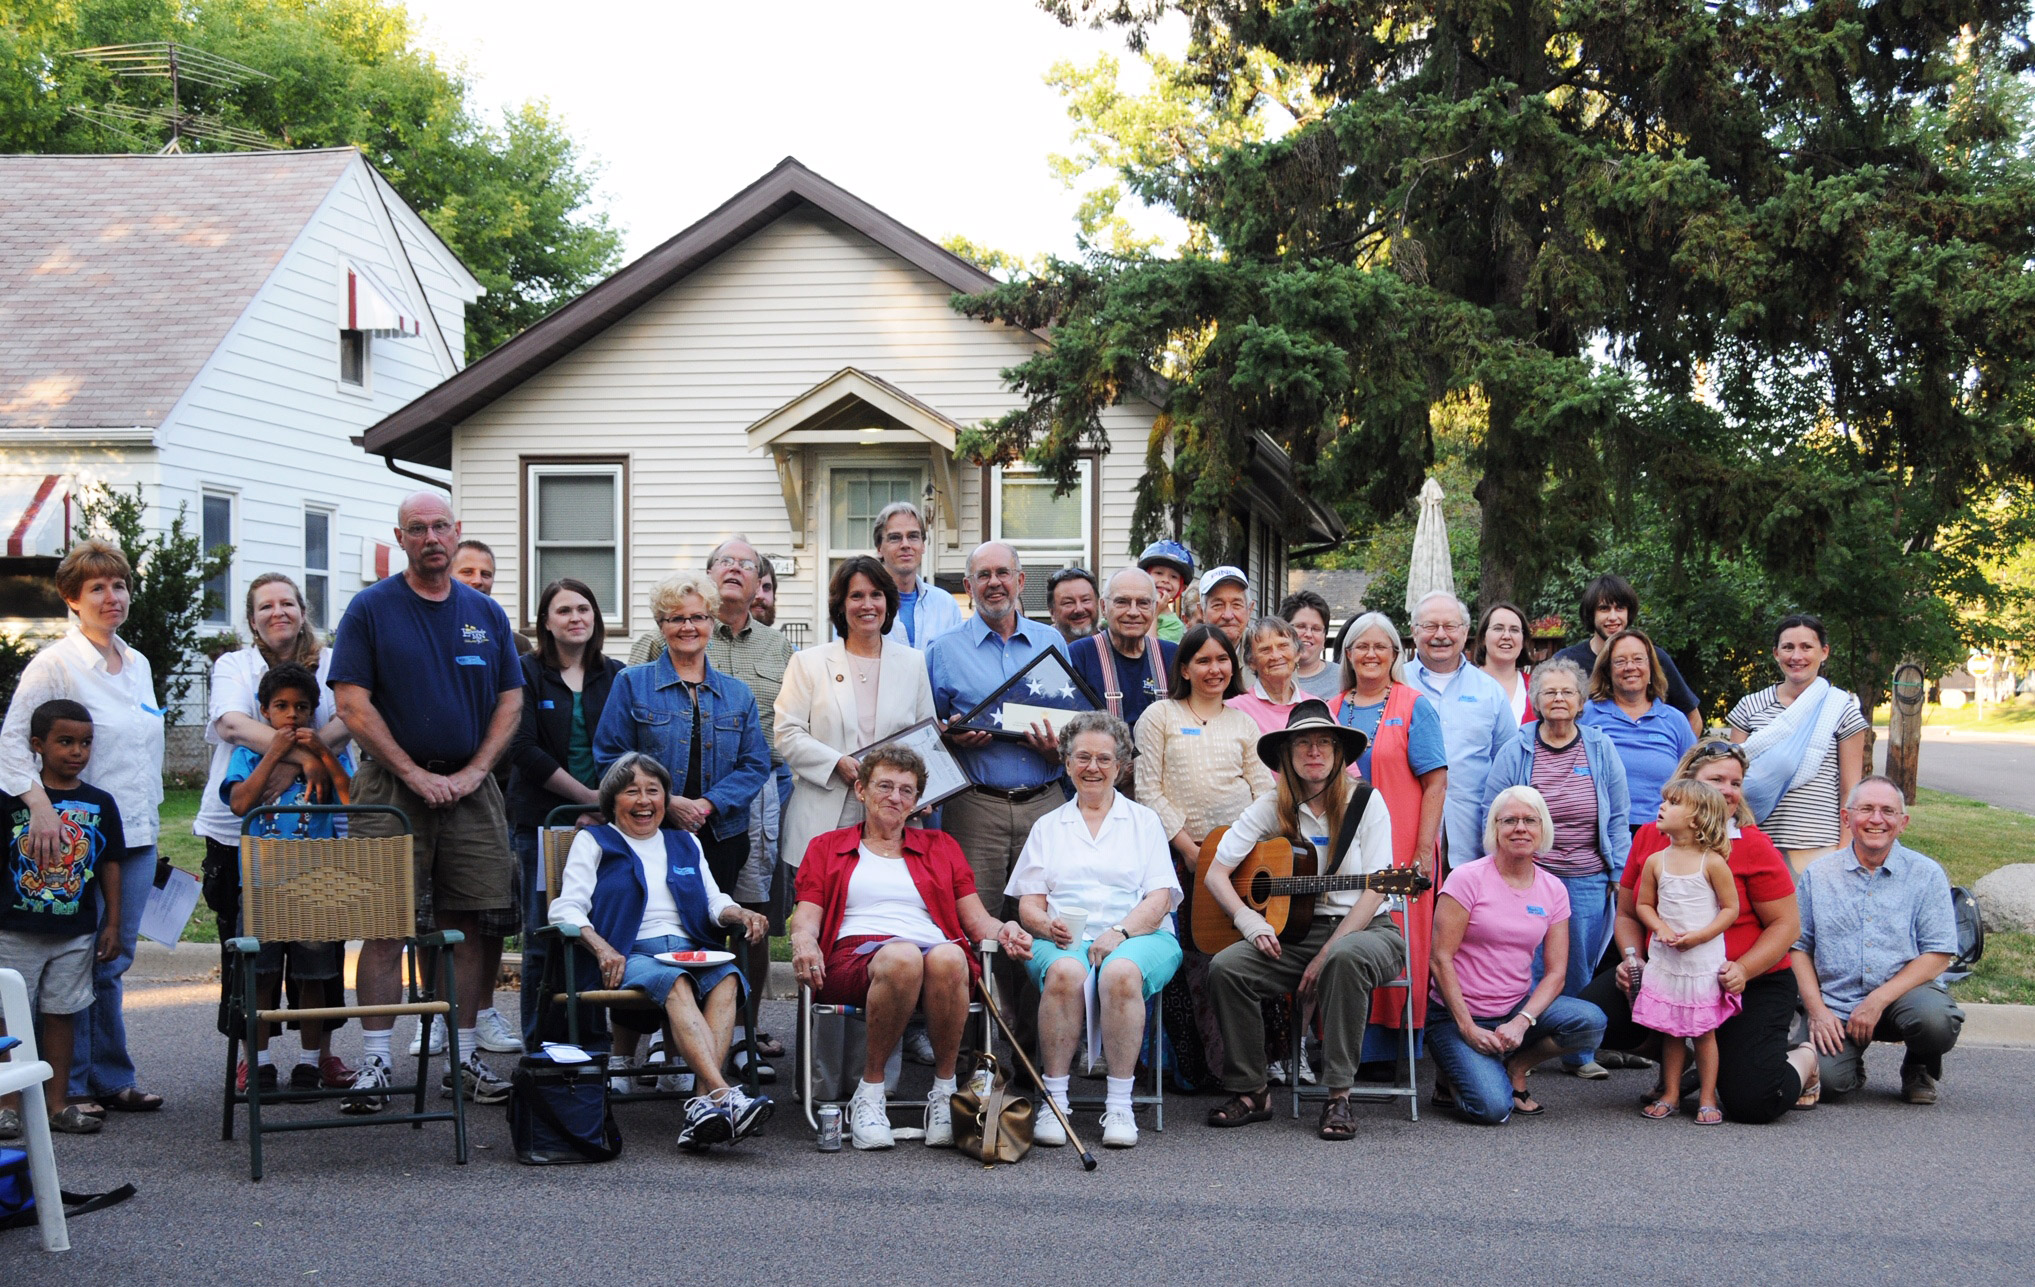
(2011, 1026)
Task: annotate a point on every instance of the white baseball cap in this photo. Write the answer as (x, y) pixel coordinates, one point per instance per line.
(1217, 576)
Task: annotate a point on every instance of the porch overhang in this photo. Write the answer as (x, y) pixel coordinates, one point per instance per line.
(852, 408)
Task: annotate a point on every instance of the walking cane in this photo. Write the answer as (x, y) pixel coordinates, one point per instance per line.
(1087, 1158)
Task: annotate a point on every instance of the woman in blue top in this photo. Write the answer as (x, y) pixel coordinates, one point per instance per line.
(1627, 689)
(633, 889)
(1578, 772)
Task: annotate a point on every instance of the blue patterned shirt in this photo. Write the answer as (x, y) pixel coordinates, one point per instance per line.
(1860, 926)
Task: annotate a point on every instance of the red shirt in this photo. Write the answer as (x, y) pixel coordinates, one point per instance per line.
(1761, 874)
(938, 868)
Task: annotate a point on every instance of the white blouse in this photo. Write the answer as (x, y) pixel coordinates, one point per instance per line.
(660, 910)
(883, 899)
(127, 728)
(1108, 873)
(1370, 849)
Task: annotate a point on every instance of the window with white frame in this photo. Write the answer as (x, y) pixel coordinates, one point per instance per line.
(574, 529)
(1049, 532)
(353, 351)
(318, 567)
(215, 517)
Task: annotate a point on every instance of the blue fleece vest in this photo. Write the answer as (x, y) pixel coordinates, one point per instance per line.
(619, 892)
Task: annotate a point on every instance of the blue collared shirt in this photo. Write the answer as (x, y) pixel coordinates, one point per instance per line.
(1649, 747)
(969, 663)
(1860, 926)
(1476, 724)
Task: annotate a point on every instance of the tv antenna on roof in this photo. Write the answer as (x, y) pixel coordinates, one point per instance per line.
(180, 65)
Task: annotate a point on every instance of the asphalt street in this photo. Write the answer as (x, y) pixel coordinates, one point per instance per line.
(1998, 770)
(1869, 1190)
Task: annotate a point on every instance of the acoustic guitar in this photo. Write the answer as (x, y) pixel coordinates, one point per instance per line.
(1278, 880)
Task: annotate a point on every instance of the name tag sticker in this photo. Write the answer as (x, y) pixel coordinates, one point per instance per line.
(1319, 842)
(468, 659)
(1581, 770)
(156, 711)
(1190, 732)
(1468, 697)
(1395, 721)
(547, 705)
(1535, 909)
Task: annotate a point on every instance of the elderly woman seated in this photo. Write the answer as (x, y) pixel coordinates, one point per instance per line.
(1095, 882)
(633, 889)
(1488, 1022)
(886, 919)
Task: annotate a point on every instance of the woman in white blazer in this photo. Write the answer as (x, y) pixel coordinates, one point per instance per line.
(842, 697)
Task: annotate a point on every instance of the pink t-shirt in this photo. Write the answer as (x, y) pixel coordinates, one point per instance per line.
(1494, 965)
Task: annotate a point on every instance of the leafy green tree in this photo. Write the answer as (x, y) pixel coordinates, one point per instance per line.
(1761, 269)
(513, 198)
(167, 595)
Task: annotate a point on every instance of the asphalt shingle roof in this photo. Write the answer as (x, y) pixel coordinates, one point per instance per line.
(119, 275)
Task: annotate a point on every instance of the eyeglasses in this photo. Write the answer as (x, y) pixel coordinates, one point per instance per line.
(697, 620)
(1436, 627)
(443, 527)
(1094, 760)
(1123, 602)
(1065, 575)
(904, 538)
(1374, 649)
(1519, 820)
(720, 561)
(903, 790)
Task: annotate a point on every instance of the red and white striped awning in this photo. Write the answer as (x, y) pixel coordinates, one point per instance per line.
(371, 306)
(36, 512)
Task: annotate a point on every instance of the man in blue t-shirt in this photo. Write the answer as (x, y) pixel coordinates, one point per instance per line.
(426, 678)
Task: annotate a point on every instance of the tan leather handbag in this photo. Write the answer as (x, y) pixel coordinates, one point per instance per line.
(995, 1126)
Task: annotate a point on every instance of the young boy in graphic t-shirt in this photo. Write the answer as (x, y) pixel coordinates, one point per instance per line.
(50, 911)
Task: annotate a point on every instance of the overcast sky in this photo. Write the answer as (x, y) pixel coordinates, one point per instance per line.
(935, 111)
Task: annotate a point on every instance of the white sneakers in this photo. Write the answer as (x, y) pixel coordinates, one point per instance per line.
(1119, 1129)
(869, 1120)
(493, 1033)
(437, 1025)
(1046, 1128)
(939, 1121)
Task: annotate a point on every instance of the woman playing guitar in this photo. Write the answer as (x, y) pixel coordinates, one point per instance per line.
(1350, 948)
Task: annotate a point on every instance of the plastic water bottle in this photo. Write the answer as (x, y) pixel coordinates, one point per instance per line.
(830, 1128)
(1634, 967)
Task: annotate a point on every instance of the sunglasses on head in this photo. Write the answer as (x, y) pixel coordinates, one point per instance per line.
(1054, 581)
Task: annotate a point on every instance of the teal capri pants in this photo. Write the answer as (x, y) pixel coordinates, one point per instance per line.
(1156, 955)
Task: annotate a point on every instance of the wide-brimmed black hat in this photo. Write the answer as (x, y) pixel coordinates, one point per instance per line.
(1310, 716)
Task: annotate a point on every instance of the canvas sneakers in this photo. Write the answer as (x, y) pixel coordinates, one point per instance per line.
(370, 1088)
(1119, 1129)
(940, 1121)
(869, 1118)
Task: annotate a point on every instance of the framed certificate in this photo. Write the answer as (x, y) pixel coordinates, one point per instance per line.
(1046, 690)
(944, 775)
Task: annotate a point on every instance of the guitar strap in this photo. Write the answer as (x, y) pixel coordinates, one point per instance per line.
(1348, 832)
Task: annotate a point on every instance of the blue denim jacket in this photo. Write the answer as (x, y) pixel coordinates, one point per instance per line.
(1514, 767)
(649, 711)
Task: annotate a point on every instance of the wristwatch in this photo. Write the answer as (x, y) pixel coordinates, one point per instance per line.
(1119, 928)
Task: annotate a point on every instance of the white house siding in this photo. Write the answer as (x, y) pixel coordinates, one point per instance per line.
(267, 420)
(673, 387)
(447, 288)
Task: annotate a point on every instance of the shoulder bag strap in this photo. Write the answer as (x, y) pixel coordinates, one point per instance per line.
(1348, 832)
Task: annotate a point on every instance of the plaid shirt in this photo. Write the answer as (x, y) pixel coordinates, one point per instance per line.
(757, 656)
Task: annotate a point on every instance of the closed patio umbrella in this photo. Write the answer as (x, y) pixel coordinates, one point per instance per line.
(1430, 568)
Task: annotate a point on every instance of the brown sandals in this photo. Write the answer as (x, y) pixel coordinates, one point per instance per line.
(1243, 1108)
(1337, 1121)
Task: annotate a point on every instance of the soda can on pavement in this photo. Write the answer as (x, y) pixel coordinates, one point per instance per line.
(830, 1128)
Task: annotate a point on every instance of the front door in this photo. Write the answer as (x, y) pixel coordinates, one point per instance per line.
(855, 494)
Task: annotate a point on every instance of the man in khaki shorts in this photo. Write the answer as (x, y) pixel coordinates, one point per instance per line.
(425, 676)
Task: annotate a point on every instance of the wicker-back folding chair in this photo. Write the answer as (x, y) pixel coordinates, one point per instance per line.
(332, 890)
(554, 843)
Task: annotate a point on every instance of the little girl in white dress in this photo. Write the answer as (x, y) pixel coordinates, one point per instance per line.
(1687, 899)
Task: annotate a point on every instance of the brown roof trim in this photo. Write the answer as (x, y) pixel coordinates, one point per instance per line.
(422, 431)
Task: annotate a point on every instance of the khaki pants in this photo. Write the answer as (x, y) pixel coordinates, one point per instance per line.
(992, 832)
(1241, 977)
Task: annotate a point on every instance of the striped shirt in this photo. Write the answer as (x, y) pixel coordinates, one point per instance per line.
(1563, 779)
(1806, 817)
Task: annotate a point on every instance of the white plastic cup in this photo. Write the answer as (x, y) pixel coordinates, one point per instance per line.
(1075, 919)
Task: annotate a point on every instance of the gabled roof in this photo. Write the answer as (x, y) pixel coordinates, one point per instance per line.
(121, 274)
(422, 431)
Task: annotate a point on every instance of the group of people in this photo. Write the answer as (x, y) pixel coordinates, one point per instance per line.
(1598, 884)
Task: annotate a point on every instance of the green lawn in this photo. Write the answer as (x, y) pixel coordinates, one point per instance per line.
(2017, 716)
(1971, 838)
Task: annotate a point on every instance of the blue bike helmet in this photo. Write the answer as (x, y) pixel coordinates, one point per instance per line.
(1171, 553)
